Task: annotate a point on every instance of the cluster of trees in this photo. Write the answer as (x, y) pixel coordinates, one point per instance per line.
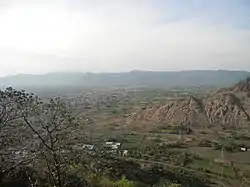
(163, 153)
(228, 144)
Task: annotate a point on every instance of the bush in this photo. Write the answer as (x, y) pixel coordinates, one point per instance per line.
(205, 143)
(106, 183)
(174, 185)
(121, 183)
(157, 140)
(124, 183)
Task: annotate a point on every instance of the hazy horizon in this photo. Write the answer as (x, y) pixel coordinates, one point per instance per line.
(38, 37)
(119, 72)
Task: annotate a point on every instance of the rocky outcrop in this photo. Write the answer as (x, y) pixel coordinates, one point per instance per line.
(242, 86)
(228, 106)
(180, 112)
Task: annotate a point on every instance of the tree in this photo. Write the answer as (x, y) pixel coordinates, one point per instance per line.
(40, 129)
(43, 130)
(10, 129)
(52, 126)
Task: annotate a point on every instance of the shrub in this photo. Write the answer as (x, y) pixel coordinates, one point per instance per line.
(106, 183)
(121, 183)
(174, 185)
(124, 183)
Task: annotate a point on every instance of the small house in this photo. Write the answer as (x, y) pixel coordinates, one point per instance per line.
(125, 153)
(113, 145)
(243, 149)
(88, 146)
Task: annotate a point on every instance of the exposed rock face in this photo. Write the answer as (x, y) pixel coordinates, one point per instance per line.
(226, 108)
(180, 112)
(230, 106)
(243, 86)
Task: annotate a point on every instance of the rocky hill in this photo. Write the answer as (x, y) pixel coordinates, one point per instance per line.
(230, 105)
(226, 107)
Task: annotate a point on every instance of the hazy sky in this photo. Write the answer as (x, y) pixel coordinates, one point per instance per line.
(38, 36)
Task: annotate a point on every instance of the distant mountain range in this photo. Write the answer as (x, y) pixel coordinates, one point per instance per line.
(163, 79)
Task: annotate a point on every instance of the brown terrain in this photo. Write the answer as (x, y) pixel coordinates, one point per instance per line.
(227, 107)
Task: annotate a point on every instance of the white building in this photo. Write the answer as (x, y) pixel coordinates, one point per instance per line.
(113, 145)
(244, 149)
(88, 146)
(84, 147)
(125, 153)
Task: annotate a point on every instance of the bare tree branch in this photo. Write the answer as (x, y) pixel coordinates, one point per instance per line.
(39, 136)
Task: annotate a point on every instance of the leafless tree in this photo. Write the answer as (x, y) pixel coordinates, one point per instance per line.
(10, 129)
(52, 124)
(44, 129)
